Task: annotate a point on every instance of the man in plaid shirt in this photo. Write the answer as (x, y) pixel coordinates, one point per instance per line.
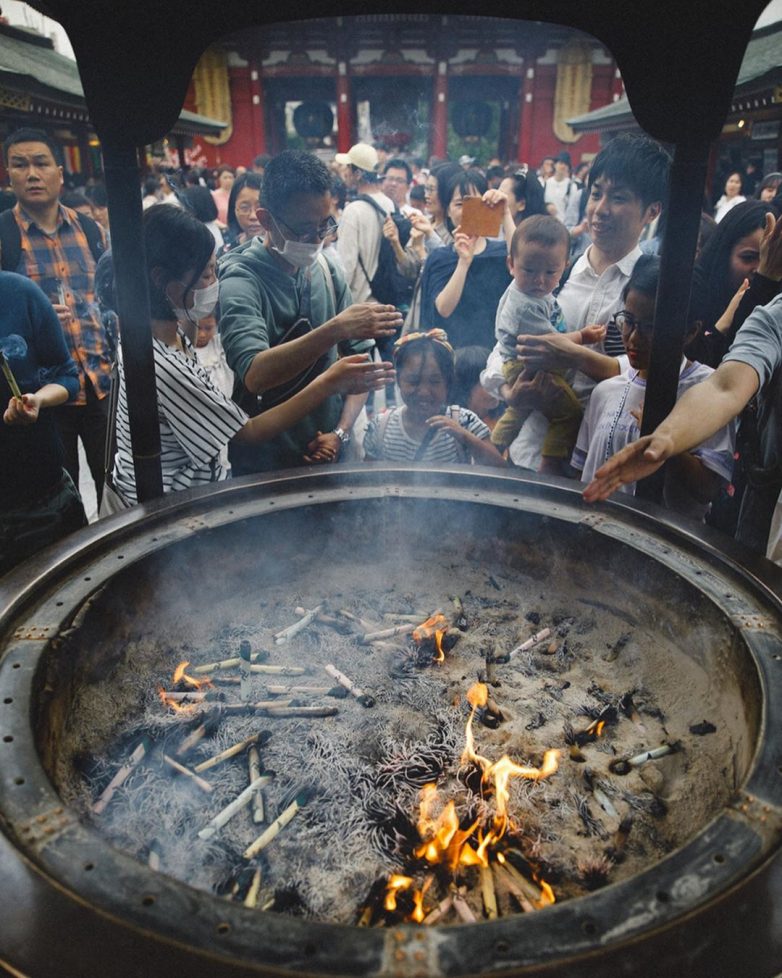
(56, 254)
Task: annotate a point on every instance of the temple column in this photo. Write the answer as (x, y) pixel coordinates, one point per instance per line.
(440, 112)
(344, 120)
(525, 117)
(259, 122)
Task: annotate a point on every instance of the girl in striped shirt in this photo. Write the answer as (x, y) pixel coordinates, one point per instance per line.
(427, 428)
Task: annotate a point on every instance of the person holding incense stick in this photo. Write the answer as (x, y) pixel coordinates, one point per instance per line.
(197, 420)
(39, 503)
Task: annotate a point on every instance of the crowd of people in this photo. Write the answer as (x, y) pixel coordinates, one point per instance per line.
(380, 308)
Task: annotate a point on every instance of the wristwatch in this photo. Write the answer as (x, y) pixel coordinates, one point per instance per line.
(344, 436)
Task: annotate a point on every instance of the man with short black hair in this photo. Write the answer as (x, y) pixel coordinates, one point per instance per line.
(397, 177)
(285, 313)
(58, 249)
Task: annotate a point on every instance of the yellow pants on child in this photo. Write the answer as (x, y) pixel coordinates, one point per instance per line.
(563, 427)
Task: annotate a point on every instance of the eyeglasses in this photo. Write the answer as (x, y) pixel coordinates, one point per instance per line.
(625, 322)
(328, 227)
(246, 208)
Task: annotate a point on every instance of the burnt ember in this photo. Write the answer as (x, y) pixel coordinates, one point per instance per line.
(328, 753)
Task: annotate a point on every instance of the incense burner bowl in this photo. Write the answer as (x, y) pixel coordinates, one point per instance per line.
(74, 905)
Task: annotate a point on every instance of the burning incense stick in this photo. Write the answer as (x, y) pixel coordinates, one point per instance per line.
(439, 911)
(364, 698)
(540, 636)
(280, 638)
(265, 838)
(226, 754)
(121, 776)
(181, 769)
(279, 670)
(9, 376)
(254, 765)
(231, 663)
(487, 892)
(462, 908)
(338, 692)
(623, 765)
(389, 632)
(251, 900)
(242, 799)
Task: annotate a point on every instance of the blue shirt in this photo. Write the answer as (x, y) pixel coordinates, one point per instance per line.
(472, 321)
(31, 455)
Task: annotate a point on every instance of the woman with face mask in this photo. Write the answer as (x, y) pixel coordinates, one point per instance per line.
(196, 419)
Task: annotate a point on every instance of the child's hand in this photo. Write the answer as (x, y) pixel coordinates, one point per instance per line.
(444, 422)
(725, 321)
(323, 448)
(592, 334)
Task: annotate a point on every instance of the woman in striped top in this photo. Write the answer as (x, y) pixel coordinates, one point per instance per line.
(196, 419)
(427, 428)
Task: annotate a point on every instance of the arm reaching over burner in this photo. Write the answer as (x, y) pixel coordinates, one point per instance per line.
(699, 414)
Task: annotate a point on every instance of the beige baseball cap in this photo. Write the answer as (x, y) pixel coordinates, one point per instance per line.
(362, 155)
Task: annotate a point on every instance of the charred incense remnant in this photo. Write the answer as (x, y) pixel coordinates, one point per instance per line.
(599, 795)
(205, 729)
(280, 638)
(251, 900)
(245, 654)
(270, 834)
(460, 619)
(540, 636)
(121, 776)
(242, 799)
(501, 873)
(231, 663)
(616, 851)
(703, 728)
(181, 769)
(628, 707)
(254, 767)
(594, 872)
(388, 633)
(613, 652)
(363, 698)
(226, 754)
(623, 765)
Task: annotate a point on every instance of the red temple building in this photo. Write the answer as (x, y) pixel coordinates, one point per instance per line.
(420, 84)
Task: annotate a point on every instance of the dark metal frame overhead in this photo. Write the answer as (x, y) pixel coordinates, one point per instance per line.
(679, 63)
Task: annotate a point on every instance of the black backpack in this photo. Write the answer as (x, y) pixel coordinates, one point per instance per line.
(388, 285)
(11, 239)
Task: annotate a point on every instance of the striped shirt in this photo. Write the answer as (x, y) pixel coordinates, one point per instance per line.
(63, 266)
(196, 422)
(386, 438)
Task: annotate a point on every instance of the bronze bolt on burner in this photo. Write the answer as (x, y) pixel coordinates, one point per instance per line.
(86, 629)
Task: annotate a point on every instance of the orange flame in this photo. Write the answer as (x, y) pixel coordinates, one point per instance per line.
(433, 628)
(396, 884)
(180, 676)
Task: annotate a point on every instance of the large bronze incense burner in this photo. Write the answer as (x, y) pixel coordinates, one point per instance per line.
(79, 625)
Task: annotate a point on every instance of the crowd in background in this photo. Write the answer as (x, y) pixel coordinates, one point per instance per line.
(388, 308)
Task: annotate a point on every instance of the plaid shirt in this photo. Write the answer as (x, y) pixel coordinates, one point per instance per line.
(62, 265)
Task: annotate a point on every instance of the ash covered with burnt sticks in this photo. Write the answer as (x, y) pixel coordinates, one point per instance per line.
(340, 798)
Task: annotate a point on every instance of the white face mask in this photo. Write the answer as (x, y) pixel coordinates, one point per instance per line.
(300, 254)
(204, 302)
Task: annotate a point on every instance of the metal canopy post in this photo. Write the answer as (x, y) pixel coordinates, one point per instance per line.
(127, 244)
(685, 201)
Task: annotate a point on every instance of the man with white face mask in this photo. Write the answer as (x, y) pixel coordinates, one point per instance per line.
(286, 314)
